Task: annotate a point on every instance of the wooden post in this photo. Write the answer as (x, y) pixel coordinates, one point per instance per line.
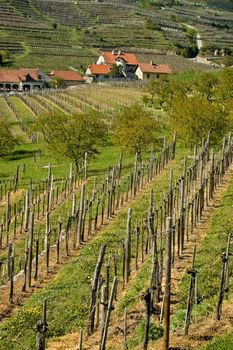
(128, 246)
(191, 292)
(80, 342)
(108, 314)
(225, 257)
(30, 253)
(147, 299)
(80, 221)
(94, 286)
(25, 266)
(41, 328)
(12, 266)
(167, 294)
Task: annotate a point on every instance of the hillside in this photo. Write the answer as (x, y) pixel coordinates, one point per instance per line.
(73, 32)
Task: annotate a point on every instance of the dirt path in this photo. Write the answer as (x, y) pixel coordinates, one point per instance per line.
(200, 333)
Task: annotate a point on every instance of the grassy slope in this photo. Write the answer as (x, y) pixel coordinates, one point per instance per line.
(208, 262)
(68, 294)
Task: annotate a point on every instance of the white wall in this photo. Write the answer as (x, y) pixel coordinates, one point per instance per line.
(101, 60)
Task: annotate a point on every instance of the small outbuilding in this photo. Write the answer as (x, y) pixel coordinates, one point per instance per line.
(67, 77)
(146, 71)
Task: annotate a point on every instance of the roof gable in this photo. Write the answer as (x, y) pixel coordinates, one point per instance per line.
(68, 75)
(100, 69)
(112, 57)
(155, 68)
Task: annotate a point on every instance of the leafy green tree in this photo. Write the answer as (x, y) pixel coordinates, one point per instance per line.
(207, 85)
(134, 129)
(4, 55)
(57, 83)
(162, 91)
(194, 116)
(225, 86)
(71, 136)
(7, 139)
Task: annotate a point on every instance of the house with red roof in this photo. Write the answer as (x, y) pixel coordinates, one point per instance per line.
(127, 62)
(98, 72)
(152, 71)
(68, 77)
(23, 79)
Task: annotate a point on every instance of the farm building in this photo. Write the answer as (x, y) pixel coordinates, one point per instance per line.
(97, 72)
(126, 61)
(23, 79)
(68, 77)
(152, 71)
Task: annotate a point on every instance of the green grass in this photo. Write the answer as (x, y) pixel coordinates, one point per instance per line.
(208, 263)
(224, 342)
(68, 293)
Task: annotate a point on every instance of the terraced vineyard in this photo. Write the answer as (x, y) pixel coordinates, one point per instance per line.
(73, 33)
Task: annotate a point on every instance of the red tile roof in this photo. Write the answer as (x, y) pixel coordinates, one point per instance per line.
(17, 75)
(155, 68)
(68, 75)
(111, 57)
(100, 69)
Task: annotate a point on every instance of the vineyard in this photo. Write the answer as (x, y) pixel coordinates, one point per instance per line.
(125, 252)
(33, 31)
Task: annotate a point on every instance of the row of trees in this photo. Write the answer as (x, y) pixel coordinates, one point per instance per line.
(195, 108)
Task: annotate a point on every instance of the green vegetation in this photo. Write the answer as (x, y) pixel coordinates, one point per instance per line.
(208, 265)
(220, 343)
(134, 129)
(7, 140)
(71, 136)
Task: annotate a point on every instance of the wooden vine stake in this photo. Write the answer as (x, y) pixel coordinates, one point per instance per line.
(147, 299)
(191, 293)
(41, 328)
(128, 246)
(108, 314)
(222, 289)
(94, 289)
(167, 294)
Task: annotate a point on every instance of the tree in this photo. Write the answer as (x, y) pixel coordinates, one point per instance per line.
(7, 139)
(116, 72)
(4, 55)
(207, 85)
(192, 117)
(71, 136)
(134, 128)
(57, 83)
(163, 90)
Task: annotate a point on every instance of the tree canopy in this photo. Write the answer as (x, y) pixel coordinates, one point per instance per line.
(196, 107)
(7, 139)
(134, 128)
(71, 136)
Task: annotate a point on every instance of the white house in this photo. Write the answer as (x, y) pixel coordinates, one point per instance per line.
(152, 71)
(127, 61)
(23, 79)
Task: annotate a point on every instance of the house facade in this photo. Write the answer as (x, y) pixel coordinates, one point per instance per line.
(23, 79)
(126, 62)
(97, 72)
(152, 71)
(68, 77)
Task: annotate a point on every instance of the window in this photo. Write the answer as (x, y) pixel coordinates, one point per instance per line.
(148, 76)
